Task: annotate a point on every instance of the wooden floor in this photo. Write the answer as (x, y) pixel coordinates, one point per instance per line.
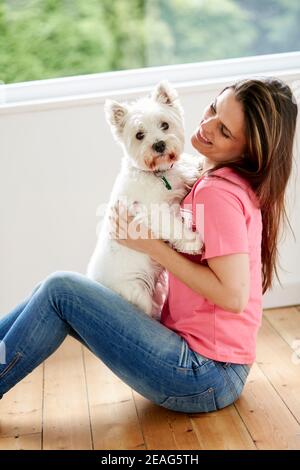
(73, 401)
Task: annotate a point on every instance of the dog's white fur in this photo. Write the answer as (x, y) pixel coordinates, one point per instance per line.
(132, 274)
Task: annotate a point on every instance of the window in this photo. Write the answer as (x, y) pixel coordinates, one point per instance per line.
(42, 39)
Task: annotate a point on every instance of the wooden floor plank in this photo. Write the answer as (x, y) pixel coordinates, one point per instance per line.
(164, 429)
(25, 442)
(286, 321)
(114, 420)
(21, 407)
(274, 357)
(268, 420)
(66, 413)
(222, 430)
(86, 406)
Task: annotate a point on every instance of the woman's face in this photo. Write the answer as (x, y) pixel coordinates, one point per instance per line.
(220, 135)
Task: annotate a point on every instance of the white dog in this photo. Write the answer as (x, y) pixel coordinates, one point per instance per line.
(158, 175)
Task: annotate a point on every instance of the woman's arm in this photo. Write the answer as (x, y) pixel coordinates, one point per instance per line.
(225, 282)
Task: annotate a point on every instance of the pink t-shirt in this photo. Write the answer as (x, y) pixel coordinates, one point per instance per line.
(226, 212)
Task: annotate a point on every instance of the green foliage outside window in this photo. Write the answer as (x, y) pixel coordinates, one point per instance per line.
(54, 38)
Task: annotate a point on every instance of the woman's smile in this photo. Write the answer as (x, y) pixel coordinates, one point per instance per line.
(201, 136)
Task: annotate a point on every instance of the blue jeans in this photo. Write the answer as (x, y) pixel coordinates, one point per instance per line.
(150, 358)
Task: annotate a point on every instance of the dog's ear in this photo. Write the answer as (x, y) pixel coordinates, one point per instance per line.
(164, 93)
(115, 114)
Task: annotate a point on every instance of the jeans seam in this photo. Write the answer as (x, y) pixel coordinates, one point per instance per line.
(229, 381)
(183, 355)
(240, 378)
(10, 365)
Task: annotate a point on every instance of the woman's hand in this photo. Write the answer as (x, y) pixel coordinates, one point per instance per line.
(131, 233)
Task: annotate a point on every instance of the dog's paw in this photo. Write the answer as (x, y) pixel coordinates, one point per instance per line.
(192, 245)
(140, 213)
(135, 208)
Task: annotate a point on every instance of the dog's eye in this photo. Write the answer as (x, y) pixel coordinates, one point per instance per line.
(139, 135)
(165, 126)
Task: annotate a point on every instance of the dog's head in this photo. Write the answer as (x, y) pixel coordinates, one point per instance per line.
(151, 129)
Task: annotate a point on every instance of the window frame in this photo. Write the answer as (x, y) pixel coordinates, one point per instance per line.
(96, 87)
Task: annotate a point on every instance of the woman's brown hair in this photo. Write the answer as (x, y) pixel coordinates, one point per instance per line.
(270, 112)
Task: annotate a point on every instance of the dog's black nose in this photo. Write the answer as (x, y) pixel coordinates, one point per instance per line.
(160, 146)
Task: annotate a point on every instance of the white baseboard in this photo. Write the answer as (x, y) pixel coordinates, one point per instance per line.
(288, 294)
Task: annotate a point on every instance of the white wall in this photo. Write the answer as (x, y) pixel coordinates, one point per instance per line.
(57, 164)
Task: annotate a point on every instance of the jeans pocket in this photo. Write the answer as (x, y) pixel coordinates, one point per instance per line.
(9, 366)
(200, 360)
(199, 403)
(190, 359)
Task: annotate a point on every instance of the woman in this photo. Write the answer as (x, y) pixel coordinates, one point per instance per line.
(197, 358)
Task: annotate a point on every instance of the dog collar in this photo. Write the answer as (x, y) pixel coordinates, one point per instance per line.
(165, 181)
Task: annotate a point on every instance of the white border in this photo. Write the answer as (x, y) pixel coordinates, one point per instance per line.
(85, 89)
